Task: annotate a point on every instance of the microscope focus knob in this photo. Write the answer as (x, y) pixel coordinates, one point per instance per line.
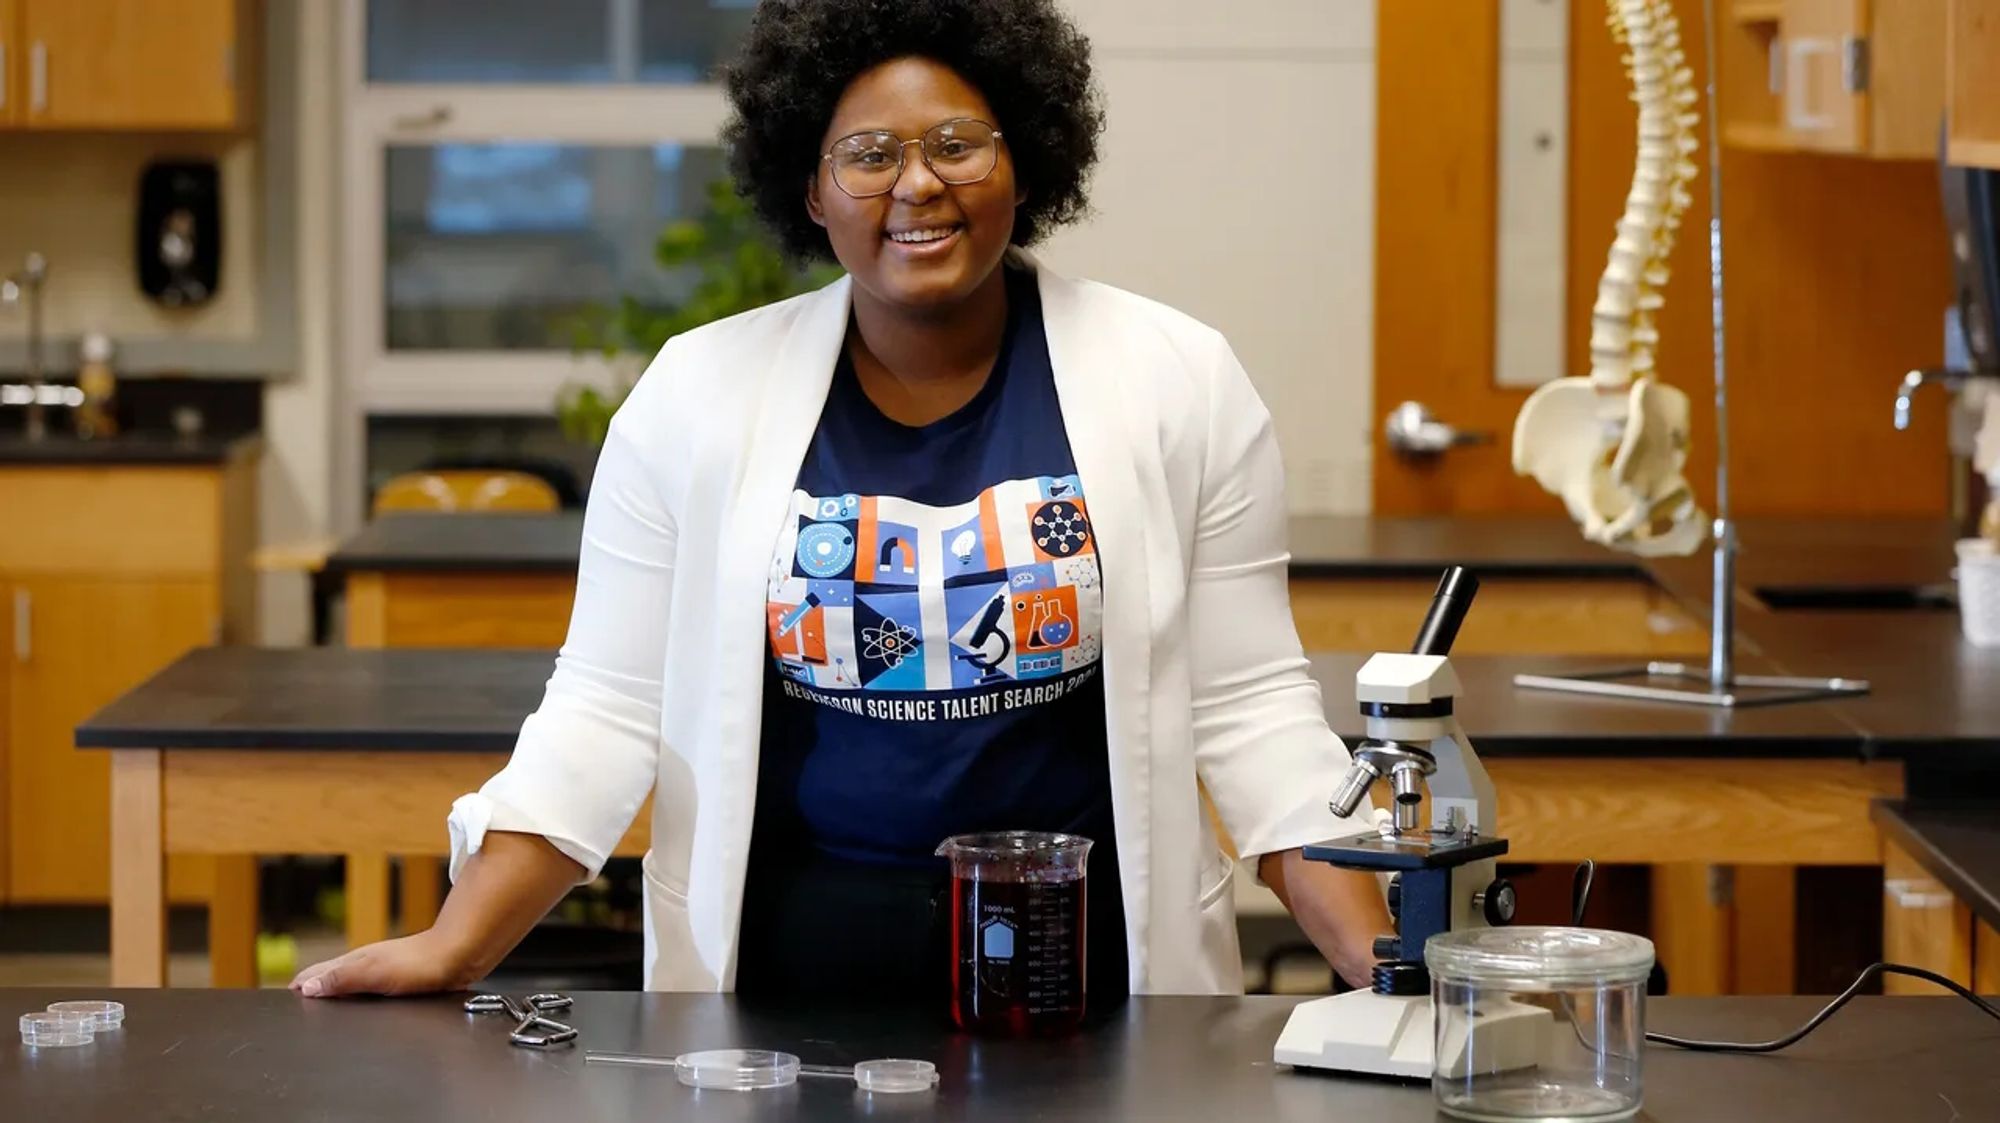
(1401, 977)
(1388, 947)
(1496, 902)
(1396, 896)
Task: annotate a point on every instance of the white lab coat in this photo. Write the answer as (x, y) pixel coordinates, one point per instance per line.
(658, 686)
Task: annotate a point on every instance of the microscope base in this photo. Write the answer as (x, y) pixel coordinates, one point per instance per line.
(1362, 1031)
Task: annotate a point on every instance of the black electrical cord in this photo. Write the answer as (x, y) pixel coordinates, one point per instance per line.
(1579, 890)
(1797, 1035)
(1586, 873)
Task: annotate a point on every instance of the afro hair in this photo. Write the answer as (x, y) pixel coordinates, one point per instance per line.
(1027, 59)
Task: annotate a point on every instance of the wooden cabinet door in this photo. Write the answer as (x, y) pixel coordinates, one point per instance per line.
(12, 70)
(9, 638)
(1972, 91)
(80, 642)
(1824, 105)
(136, 64)
(1923, 925)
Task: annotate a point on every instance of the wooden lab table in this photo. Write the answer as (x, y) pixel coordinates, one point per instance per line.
(338, 751)
(1725, 807)
(236, 750)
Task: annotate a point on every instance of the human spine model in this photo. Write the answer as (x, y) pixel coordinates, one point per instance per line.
(1613, 445)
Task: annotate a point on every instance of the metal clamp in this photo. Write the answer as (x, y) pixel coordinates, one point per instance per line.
(533, 1028)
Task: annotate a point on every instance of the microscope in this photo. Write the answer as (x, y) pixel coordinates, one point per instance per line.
(1443, 868)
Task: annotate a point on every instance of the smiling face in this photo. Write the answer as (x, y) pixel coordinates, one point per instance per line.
(925, 244)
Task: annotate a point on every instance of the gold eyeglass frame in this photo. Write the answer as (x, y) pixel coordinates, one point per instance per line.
(902, 160)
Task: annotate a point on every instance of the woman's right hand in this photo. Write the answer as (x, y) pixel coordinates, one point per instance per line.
(512, 882)
(419, 964)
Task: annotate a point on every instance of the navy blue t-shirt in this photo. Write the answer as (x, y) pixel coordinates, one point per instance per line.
(935, 622)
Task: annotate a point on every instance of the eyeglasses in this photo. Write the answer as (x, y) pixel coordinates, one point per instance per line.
(958, 152)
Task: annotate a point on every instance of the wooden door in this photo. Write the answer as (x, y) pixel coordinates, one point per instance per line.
(9, 639)
(1825, 104)
(80, 643)
(137, 64)
(1838, 277)
(12, 68)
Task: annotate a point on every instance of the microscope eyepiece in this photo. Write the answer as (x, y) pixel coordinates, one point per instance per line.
(1448, 608)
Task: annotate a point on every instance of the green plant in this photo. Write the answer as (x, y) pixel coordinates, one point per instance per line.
(737, 267)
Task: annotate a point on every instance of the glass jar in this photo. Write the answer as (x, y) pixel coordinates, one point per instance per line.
(1539, 1023)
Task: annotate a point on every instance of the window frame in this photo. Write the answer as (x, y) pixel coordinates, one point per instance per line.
(377, 116)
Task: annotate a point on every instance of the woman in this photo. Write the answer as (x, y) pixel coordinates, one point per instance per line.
(953, 544)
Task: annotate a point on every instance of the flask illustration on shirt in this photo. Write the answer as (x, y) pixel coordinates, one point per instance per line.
(1049, 626)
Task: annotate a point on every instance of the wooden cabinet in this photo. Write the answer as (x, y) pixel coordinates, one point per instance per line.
(1851, 77)
(1972, 82)
(106, 575)
(11, 85)
(1985, 958)
(81, 642)
(1923, 925)
(1613, 617)
(127, 64)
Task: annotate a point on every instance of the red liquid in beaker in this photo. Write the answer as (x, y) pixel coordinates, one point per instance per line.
(1017, 956)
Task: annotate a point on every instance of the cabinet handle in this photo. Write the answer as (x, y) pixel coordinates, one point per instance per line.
(24, 628)
(1854, 69)
(38, 77)
(1916, 893)
(1802, 114)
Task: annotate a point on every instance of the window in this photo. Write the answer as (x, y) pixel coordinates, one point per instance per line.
(508, 165)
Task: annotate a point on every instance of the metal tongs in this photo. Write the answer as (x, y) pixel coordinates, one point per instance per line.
(533, 1028)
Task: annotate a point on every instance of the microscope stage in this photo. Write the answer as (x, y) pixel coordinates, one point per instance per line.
(1405, 852)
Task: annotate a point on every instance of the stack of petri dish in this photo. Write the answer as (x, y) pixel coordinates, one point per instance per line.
(69, 1024)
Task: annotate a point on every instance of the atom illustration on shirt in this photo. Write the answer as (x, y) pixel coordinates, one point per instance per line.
(888, 642)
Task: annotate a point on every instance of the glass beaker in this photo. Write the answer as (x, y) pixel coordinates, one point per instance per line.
(1539, 1023)
(1017, 932)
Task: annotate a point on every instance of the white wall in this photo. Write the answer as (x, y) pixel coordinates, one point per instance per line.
(301, 413)
(1237, 184)
(74, 197)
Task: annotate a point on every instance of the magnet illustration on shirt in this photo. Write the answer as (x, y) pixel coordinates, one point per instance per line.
(880, 593)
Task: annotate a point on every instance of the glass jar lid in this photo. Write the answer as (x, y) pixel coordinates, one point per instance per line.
(1530, 955)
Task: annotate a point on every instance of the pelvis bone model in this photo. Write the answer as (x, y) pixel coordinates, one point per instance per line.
(1614, 445)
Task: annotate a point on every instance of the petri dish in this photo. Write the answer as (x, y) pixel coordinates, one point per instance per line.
(737, 1070)
(48, 1030)
(104, 1016)
(895, 1075)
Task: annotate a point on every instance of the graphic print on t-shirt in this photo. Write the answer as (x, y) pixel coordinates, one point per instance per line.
(879, 595)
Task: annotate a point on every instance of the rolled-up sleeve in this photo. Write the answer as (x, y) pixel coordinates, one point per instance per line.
(1262, 744)
(586, 758)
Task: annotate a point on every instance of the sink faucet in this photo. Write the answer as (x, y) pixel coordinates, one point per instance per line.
(25, 287)
(1951, 380)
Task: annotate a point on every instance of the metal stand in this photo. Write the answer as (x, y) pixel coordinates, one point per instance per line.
(1720, 686)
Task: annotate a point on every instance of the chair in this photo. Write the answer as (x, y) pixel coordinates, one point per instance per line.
(464, 490)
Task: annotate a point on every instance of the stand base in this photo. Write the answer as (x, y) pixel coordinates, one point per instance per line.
(1362, 1031)
(1739, 691)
